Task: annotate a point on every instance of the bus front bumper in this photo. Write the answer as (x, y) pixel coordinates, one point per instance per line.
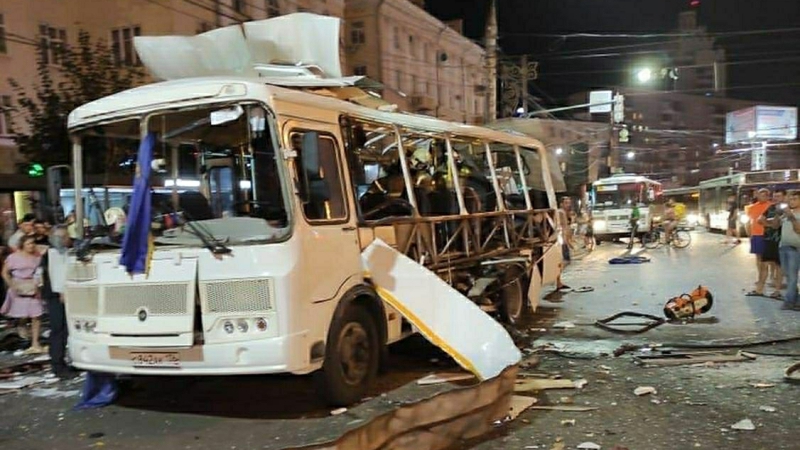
(263, 356)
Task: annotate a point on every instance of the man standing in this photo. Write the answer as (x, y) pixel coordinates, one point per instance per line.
(757, 242)
(566, 229)
(733, 222)
(790, 249)
(55, 270)
(25, 228)
(772, 237)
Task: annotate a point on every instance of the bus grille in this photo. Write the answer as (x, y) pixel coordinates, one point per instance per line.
(239, 296)
(82, 300)
(158, 299)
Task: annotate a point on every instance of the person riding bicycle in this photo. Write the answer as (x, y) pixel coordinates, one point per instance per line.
(670, 221)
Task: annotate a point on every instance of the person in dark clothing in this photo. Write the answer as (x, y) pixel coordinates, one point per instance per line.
(54, 271)
(733, 222)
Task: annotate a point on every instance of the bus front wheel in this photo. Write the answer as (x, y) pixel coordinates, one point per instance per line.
(352, 357)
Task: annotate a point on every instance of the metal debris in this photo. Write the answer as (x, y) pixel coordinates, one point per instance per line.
(745, 424)
(644, 390)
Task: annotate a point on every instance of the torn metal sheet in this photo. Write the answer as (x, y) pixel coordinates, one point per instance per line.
(271, 47)
(443, 315)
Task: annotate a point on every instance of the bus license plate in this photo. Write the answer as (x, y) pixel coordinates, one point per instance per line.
(165, 359)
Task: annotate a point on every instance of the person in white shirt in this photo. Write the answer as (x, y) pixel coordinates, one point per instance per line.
(56, 264)
(789, 249)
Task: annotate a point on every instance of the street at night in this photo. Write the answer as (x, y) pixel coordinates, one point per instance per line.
(399, 224)
(694, 406)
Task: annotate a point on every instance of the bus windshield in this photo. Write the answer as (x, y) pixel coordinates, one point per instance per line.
(620, 195)
(214, 165)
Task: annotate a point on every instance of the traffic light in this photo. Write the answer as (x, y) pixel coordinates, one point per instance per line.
(35, 170)
(619, 108)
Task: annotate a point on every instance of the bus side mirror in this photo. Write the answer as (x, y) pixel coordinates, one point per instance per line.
(54, 184)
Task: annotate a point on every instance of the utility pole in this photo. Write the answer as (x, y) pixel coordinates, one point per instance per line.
(515, 79)
(490, 110)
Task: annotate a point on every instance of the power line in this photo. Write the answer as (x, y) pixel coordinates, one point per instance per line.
(690, 66)
(172, 8)
(655, 35)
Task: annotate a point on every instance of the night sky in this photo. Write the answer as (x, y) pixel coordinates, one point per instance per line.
(523, 22)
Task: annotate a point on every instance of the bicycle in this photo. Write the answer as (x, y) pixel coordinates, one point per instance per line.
(657, 237)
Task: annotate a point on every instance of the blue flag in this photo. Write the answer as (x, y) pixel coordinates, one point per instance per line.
(136, 241)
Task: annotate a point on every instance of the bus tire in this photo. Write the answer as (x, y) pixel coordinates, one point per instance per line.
(352, 357)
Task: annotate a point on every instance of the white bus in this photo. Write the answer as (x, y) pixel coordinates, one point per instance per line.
(714, 194)
(613, 199)
(280, 183)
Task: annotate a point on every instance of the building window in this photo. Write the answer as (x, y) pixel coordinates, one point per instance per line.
(122, 45)
(5, 115)
(238, 6)
(301, 9)
(357, 35)
(3, 47)
(398, 80)
(273, 8)
(396, 38)
(52, 41)
(360, 71)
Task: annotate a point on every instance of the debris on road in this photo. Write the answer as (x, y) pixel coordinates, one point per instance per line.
(540, 385)
(791, 375)
(767, 408)
(609, 325)
(519, 403)
(569, 408)
(438, 378)
(762, 385)
(568, 422)
(564, 325)
(745, 425)
(589, 446)
(338, 411)
(679, 359)
(644, 390)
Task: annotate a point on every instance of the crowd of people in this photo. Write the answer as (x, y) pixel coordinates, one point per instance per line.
(774, 230)
(33, 259)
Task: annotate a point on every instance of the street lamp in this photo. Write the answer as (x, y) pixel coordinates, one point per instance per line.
(630, 155)
(644, 75)
(559, 151)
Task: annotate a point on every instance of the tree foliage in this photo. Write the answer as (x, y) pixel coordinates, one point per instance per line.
(87, 71)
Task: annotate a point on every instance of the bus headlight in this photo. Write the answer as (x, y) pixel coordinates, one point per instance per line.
(744, 219)
(693, 219)
(599, 225)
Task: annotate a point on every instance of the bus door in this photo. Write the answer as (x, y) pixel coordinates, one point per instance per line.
(327, 222)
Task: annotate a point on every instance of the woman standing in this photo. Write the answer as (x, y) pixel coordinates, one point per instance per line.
(23, 277)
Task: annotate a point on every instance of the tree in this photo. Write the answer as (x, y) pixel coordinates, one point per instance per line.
(87, 72)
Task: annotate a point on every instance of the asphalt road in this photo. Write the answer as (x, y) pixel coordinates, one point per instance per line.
(694, 407)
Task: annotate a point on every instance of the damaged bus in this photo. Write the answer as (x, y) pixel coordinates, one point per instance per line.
(268, 184)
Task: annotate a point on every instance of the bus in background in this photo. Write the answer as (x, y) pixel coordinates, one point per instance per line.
(612, 202)
(690, 197)
(714, 193)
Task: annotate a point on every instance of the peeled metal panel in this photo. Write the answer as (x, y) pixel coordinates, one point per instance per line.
(78, 271)
(552, 264)
(238, 296)
(82, 300)
(301, 38)
(217, 52)
(535, 287)
(446, 318)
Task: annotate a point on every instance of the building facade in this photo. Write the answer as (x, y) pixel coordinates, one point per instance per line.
(26, 25)
(426, 65)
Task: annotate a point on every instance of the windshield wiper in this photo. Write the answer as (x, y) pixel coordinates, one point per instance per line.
(214, 245)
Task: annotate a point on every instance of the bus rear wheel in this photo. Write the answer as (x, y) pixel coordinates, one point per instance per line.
(352, 358)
